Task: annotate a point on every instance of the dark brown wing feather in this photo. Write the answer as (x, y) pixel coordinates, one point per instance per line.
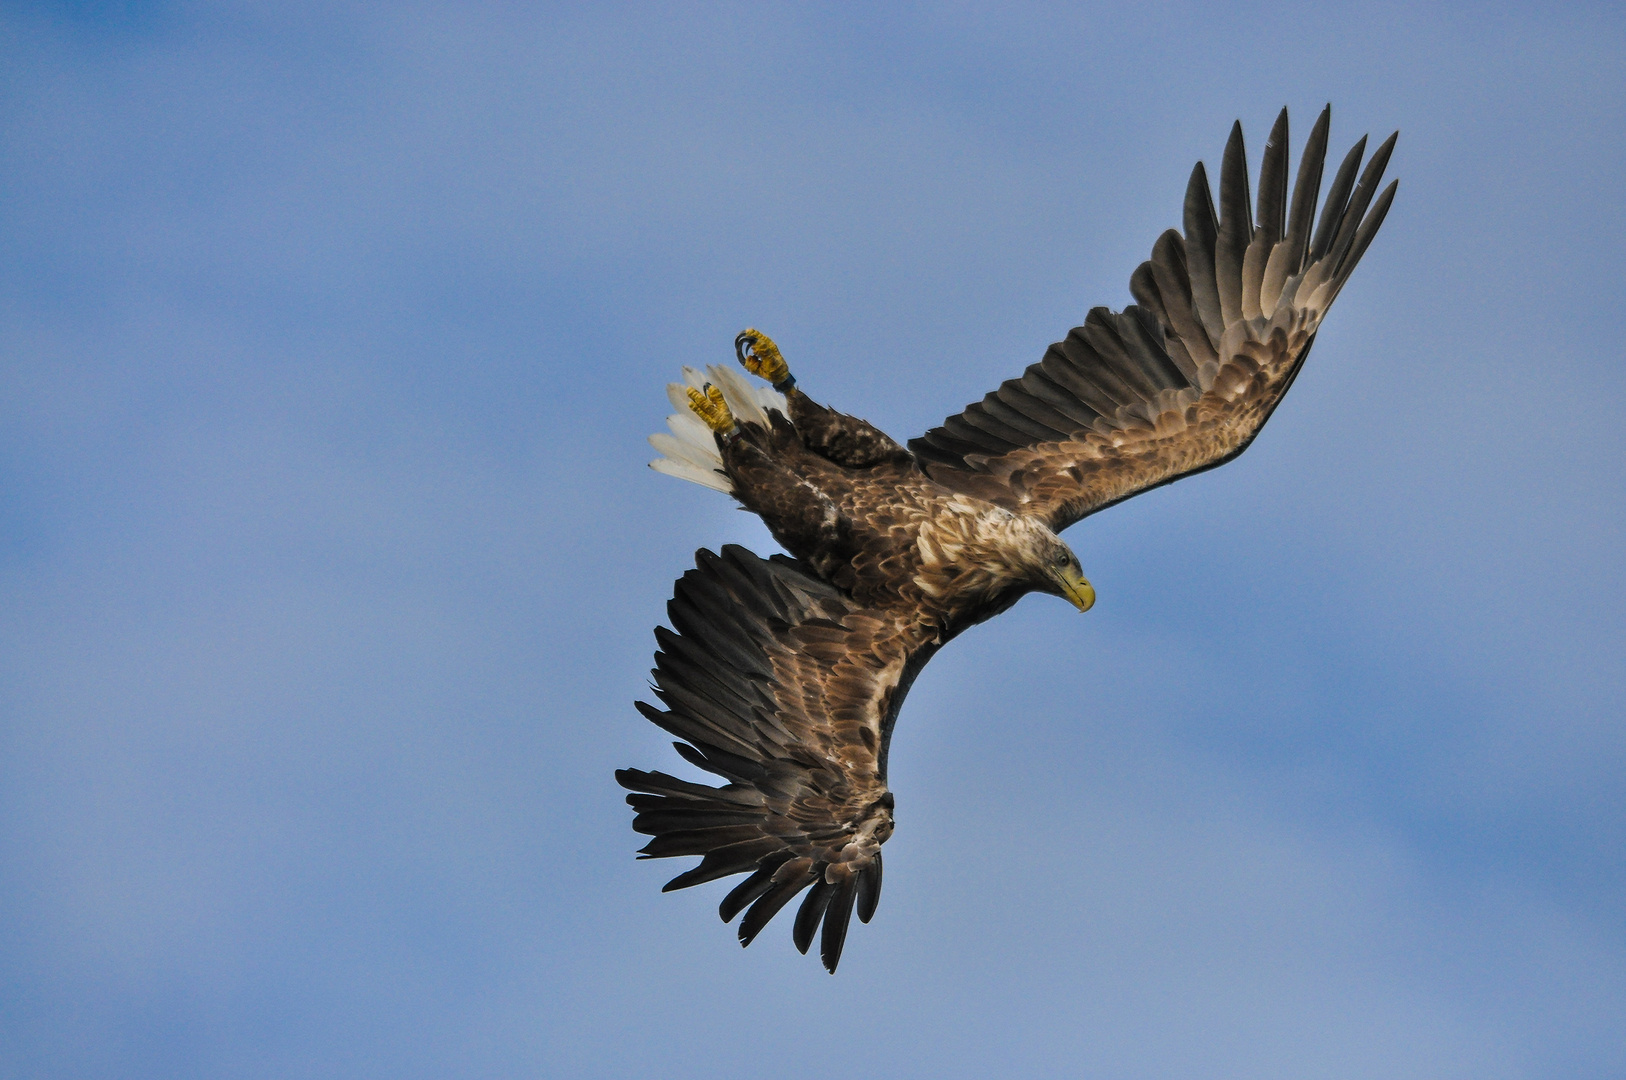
(1183, 379)
(785, 688)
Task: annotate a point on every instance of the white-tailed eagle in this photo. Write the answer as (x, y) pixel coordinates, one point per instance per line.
(783, 676)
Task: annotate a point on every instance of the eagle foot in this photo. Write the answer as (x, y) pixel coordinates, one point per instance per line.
(761, 357)
(713, 410)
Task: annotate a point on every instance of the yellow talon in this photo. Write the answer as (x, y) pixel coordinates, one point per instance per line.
(711, 408)
(761, 356)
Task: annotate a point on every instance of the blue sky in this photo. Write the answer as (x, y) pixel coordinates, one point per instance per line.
(329, 339)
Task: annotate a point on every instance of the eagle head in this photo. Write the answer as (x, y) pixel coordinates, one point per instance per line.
(1034, 557)
(1046, 562)
(983, 553)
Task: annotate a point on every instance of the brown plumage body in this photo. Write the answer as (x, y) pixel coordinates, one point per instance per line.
(784, 675)
(841, 495)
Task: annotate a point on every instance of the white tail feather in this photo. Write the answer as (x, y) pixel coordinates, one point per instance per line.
(690, 451)
(681, 450)
(684, 471)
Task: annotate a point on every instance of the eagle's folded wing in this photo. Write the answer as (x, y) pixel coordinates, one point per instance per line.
(785, 688)
(1184, 379)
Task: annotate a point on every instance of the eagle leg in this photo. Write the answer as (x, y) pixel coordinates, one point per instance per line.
(845, 440)
(713, 411)
(761, 357)
(800, 515)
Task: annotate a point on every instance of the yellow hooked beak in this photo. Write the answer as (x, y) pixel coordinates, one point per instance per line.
(1076, 589)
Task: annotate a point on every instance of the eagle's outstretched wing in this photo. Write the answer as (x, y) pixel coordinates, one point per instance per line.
(788, 690)
(1182, 380)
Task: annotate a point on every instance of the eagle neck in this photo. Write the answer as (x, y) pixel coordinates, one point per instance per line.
(976, 559)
